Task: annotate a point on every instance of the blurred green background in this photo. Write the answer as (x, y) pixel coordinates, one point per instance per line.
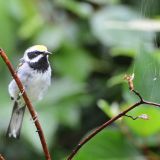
(95, 43)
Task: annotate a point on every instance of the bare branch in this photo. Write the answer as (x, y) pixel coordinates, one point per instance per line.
(138, 94)
(142, 116)
(1, 157)
(28, 103)
(100, 128)
(133, 118)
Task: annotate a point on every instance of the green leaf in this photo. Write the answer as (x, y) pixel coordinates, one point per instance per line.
(144, 127)
(109, 26)
(146, 69)
(147, 83)
(104, 106)
(74, 62)
(110, 110)
(81, 9)
(51, 35)
(117, 51)
(7, 33)
(109, 144)
(62, 89)
(30, 27)
(103, 2)
(115, 80)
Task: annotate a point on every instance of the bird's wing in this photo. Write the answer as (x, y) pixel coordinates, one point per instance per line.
(22, 61)
(21, 72)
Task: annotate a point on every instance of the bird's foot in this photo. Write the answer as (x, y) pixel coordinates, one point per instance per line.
(20, 94)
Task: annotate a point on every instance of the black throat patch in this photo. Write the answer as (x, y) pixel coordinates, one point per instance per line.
(41, 66)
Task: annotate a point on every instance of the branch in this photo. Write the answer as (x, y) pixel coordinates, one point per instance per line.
(100, 128)
(1, 157)
(133, 118)
(28, 103)
(106, 124)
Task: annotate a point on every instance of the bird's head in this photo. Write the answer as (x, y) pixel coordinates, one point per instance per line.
(35, 53)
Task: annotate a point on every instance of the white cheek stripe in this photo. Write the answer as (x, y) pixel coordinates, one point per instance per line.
(36, 59)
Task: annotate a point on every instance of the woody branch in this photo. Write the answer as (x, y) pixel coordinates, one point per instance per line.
(129, 79)
(28, 104)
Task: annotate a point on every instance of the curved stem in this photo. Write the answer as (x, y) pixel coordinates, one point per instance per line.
(28, 103)
(138, 94)
(100, 128)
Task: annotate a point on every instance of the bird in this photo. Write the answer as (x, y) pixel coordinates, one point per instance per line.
(34, 71)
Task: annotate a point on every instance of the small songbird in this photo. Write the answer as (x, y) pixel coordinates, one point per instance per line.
(34, 72)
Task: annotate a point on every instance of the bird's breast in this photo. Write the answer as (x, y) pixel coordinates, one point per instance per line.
(37, 84)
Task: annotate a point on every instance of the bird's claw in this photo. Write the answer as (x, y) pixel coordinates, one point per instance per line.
(20, 94)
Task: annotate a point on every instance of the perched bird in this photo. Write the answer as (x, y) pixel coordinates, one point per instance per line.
(34, 72)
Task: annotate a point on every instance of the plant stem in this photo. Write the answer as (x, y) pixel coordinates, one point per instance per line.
(28, 103)
(100, 128)
(104, 125)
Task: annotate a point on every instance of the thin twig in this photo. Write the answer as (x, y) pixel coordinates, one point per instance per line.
(133, 118)
(104, 125)
(100, 128)
(136, 93)
(1, 157)
(28, 103)
(151, 103)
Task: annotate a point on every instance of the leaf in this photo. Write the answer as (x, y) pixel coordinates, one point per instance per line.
(146, 69)
(103, 2)
(81, 9)
(110, 110)
(7, 34)
(61, 89)
(51, 35)
(74, 62)
(142, 127)
(147, 83)
(109, 26)
(30, 27)
(109, 144)
(115, 80)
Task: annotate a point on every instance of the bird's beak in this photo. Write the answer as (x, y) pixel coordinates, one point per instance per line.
(48, 53)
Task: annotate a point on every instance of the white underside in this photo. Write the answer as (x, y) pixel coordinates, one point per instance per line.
(35, 83)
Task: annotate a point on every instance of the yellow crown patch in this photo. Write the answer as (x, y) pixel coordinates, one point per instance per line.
(41, 48)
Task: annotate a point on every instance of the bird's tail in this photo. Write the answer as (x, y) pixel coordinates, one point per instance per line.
(16, 120)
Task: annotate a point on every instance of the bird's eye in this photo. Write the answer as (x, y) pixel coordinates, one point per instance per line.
(32, 55)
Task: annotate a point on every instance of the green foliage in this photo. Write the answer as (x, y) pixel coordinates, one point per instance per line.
(95, 44)
(109, 144)
(117, 30)
(147, 83)
(77, 59)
